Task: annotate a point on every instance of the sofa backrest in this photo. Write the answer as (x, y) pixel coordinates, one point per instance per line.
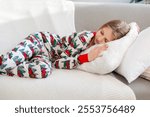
(90, 16)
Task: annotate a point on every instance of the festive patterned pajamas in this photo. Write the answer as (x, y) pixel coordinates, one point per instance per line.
(36, 54)
(27, 59)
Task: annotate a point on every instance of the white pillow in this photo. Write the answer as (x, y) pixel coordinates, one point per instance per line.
(137, 58)
(112, 57)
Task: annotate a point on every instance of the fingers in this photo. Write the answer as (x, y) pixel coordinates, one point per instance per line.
(103, 47)
(99, 49)
(95, 52)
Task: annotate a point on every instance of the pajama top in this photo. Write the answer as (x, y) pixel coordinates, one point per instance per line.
(64, 53)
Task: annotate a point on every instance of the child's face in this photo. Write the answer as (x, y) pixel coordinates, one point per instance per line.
(104, 35)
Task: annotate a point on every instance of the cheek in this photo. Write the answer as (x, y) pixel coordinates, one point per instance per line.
(98, 40)
(98, 34)
(98, 37)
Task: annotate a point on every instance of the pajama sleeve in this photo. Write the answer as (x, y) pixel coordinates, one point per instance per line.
(66, 63)
(70, 62)
(70, 57)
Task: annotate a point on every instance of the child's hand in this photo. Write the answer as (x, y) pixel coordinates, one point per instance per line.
(94, 53)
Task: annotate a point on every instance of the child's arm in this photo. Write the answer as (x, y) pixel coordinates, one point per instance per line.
(76, 43)
(66, 63)
(71, 62)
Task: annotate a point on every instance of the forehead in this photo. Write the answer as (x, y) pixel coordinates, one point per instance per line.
(108, 33)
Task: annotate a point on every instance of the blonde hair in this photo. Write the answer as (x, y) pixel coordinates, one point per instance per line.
(120, 28)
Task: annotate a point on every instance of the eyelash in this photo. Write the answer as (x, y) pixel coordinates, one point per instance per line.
(103, 34)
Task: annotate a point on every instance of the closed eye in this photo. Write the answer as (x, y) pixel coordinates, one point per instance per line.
(102, 32)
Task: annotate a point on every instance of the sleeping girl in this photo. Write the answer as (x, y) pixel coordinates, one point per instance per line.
(38, 53)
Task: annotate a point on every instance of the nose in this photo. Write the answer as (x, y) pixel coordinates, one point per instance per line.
(102, 40)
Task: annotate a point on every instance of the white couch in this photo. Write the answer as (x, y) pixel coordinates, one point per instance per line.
(74, 84)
